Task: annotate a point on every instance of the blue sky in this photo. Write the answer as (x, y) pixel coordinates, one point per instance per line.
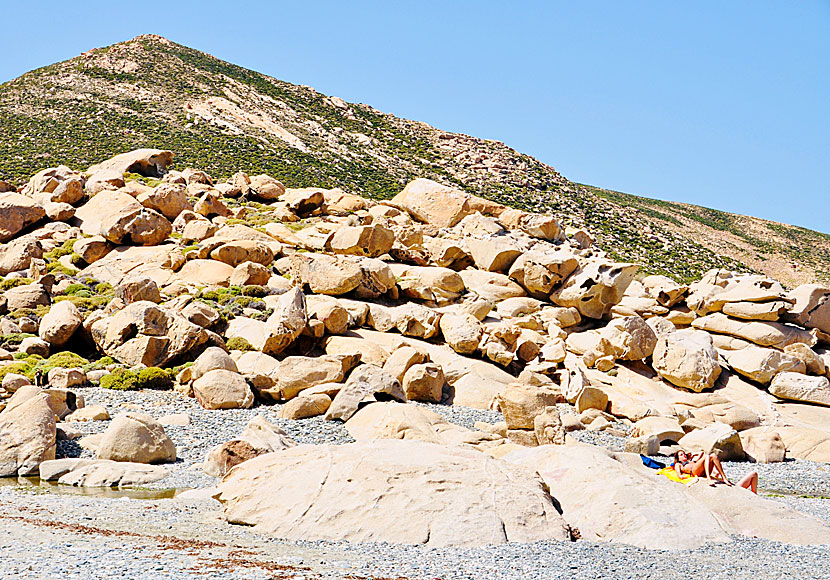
(722, 104)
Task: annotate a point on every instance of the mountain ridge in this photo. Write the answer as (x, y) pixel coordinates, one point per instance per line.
(152, 92)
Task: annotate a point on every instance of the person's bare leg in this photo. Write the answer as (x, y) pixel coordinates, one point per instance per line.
(750, 482)
(716, 462)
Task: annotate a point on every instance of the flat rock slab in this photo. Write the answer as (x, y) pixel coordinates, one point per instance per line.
(406, 492)
(100, 472)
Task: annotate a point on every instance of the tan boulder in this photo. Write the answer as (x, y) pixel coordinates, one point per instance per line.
(259, 437)
(366, 384)
(306, 406)
(433, 203)
(223, 389)
(493, 254)
(548, 427)
(371, 241)
(666, 291)
(100, 472)
(325, 274)
(303, 202)
(799, 387)
(56, 184)
(261, 186)
(521, 404)
(330, 312)
(236, 252)
(286, 322)
(354, 476)
(435, 284)
(424, 382)
(18, 254)
(63, 378)
(595, 287)
(715, 438)
(26, 296)
(137, 226)
(89, 413)
(212, 358)
(92, 249)
(147, 162)
(206, 272)
(687, 359)
(400, 361)
(136, 438)
(297, 373)
(16, 213)
(249, 274)
(60, 323)
(815, 364)
(540, 271)
(628, 338)
(763, 445)
(168, 199)
(136, 288)
(27, 436)
(462, 332)
(761, 333)
(666, 429)
(490, 286)
(762, 364)
(768, 311)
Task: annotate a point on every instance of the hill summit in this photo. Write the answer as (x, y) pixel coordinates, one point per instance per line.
(152, 92)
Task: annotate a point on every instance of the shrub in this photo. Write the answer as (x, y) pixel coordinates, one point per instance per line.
(77, 261)
(255, 291)
(120, 380)
(10, 283)
(22, 367)
(154, 378)
(238, 343)
(103, 288)
(64, 359)
(73, 289)
(13, 339)
(100, 364)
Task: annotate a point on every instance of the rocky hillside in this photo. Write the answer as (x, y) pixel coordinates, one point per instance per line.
(474, 370)
(150, 92)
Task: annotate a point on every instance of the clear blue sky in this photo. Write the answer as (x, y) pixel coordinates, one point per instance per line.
(723, 104)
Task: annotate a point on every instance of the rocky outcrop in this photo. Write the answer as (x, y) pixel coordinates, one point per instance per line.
(136, 438)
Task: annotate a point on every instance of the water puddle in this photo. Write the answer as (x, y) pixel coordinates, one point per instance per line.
(38, 486)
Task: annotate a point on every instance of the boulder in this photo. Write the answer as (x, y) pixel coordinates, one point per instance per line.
(548, 427)
(261, 186)
(433, 203)
(146, 162)
(286, 322)
(761, 333)
(60, 323)
(18, 254)
(462, 332)
(26, 296)
(628, 338)
(62, 378)
(56, 184)
(490, 286)
(136, 288)
(135, 225)
(92, 249)
(16, 213)
(371, 241)
(520, 404)
(416, 320)
(205, 272)
(687, 359)
(666, 429)
(762, 364)
(595, 287)
(430, 283)
(811, 307)
(212, 358)
(306, 406)
(260, 436)
(168, 199)
(136, 438)
(325, 274)
(799, 387)
(330, 312)
(249, 274)
(366, 384)
(90, 413)
(424, 382)
(223, 389)
(27, 436)
(493, 254)
(100, 472)
(715, 438)
(666, 291)
(303, 202)
(236, 252)
(297, 373)
(401, 360)
(763, 445)
(360, 492)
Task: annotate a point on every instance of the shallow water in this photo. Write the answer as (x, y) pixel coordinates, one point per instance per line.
(38, 486)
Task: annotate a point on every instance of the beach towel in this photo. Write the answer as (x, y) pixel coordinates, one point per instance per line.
(685, 479)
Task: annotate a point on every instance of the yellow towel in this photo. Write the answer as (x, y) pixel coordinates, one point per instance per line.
(685, 479)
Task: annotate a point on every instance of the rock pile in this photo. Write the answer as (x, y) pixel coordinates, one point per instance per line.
(246, 292)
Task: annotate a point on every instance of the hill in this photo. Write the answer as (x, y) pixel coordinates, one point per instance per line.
(151, 92)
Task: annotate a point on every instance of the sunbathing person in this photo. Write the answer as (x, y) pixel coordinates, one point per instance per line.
(709, 465)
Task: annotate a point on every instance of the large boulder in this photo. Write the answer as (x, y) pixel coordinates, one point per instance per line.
(627, 338)
(136, 438)
(18, 254)
(762, 333)
(371, 241)
(424, 382)
(16, 213)
(146, 162)
(212, 358)
(811, 308)
(27, 436)
(433, 203)
(168, 199)
(260, 436)
(540, 271)
(297, 373)
(687, 359)
(56, 184)
(762, 364)
(60, 323)
(799, 387)
(462, 332)
(103, 208)
(100, 472)
(366, 384)
(286, 322)
(361, 492)
(223, 389)
(136, 226)
(763, 445)
(236, 252)
(521, 404)
(717, 438)
(595, 287)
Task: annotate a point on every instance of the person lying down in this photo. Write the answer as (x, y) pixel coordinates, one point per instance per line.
(687, 466)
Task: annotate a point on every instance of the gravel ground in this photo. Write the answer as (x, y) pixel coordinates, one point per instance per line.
(44, 536)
